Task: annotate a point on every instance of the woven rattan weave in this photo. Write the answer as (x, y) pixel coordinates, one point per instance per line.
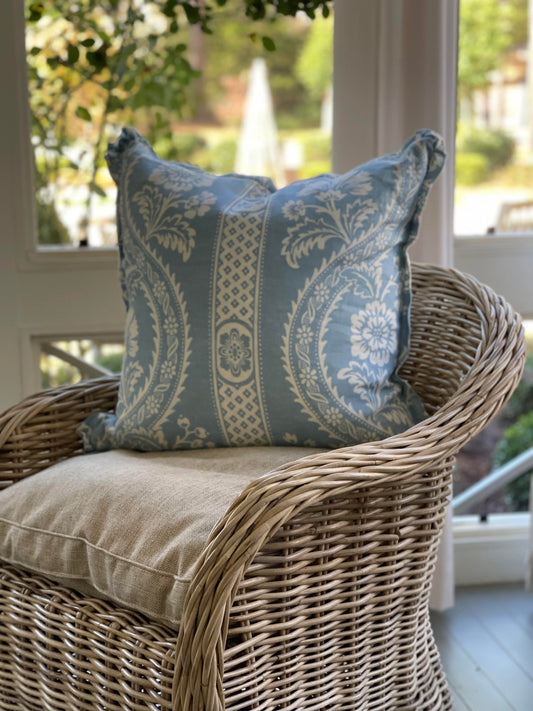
(313, 590)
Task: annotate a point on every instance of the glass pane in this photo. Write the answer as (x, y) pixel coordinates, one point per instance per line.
(67, 362)
(92, 70)
(494, 194)
(507, 436)
(494, 146)
(258, 111)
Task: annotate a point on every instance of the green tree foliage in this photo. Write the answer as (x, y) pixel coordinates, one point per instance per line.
(92, 64)
(230, 30)
(97, 64)
(488, 29)
(259, 9)
(517, 439)
(480, 152)
(315, 64)
(51, 229)
(521, 402)
(518, 21)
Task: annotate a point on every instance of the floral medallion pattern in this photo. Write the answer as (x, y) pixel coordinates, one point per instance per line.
(373, 333)
(234, 353)
(258, 316)
(236, 378)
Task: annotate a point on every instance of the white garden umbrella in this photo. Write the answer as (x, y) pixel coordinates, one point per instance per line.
(258, 148)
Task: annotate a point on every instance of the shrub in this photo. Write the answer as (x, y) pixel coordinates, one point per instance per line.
(497, 147)
(51, 228)
(471, 168)
(111, 361)
(220, 158)
(180, 147)
(317, 147)
(521, 402)
(314, 167)
(516, 440)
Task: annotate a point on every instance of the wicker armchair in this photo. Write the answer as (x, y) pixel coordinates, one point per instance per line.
(313, 590)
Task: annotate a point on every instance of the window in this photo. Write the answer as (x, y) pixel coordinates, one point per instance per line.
(252, 110)
(66, 362)
(494, 147)
(493, 194)
(52, 291)
(493, 216)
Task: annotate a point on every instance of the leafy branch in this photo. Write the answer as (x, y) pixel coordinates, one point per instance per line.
(95, 64)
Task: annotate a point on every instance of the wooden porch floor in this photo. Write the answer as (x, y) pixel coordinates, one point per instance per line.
(486, 646)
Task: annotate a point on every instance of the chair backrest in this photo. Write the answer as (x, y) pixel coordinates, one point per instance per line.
(467, 344)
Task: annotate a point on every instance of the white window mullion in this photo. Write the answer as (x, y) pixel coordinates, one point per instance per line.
(15, 192)
(395, 72)
(355, 85)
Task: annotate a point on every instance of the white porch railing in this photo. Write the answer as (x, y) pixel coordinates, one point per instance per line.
(87, 370)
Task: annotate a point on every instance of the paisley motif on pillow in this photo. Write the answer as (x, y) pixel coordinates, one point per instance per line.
(258, 316)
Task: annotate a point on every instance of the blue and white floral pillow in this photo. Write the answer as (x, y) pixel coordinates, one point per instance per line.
(258, 316)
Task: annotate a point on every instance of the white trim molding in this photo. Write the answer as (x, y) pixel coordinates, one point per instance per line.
(491, 552)
(49, 257)
(396, 75)
(505, 262)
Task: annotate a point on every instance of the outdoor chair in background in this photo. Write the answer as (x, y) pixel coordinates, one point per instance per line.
(515, 217)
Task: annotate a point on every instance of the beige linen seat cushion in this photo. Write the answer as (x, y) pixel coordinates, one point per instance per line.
(128, 526)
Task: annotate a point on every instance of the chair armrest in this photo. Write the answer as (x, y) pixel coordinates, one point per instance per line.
(374, 511)
(357, 510)
(41, 430)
